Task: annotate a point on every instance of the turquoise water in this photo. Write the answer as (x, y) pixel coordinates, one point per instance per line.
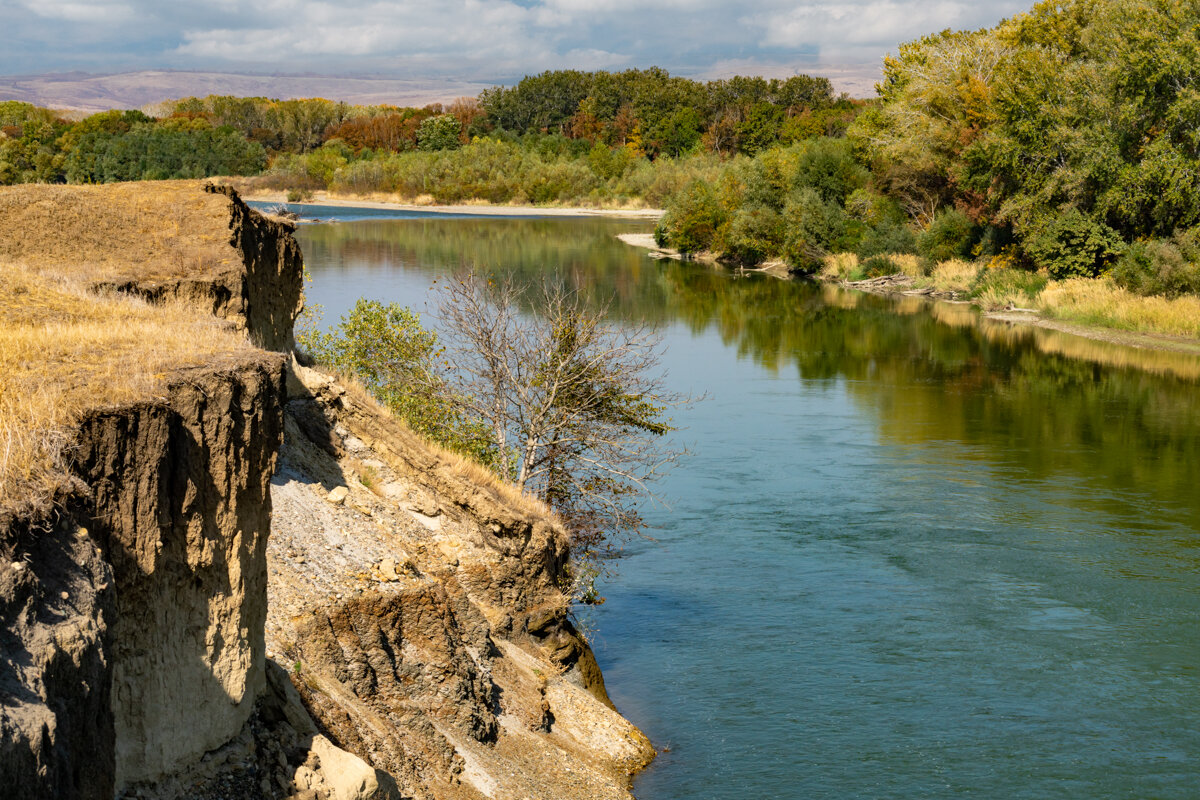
(911, 555)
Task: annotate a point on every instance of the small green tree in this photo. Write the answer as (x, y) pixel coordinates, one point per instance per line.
(397, 360)
(950, 235)
(814, 228)
(693, 218)
(755, 235)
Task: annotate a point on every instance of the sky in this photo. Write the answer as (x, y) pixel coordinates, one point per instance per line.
(487, 40)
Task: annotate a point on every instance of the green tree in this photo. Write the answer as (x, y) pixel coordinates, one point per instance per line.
(401, 363)
(439, 133)
(694, 218)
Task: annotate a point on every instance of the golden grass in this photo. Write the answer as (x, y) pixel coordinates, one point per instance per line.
(908, 264)
(462, 467)
(64, 350)
(839, 266)
(1097, 301)
(954, 276)
(156, 230)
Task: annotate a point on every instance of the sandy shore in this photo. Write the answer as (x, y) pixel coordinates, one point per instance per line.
(324, 199)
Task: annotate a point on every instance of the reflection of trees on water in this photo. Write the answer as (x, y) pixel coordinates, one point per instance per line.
(1059, 405)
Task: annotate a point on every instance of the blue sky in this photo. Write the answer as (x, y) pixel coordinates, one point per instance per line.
(488, 40)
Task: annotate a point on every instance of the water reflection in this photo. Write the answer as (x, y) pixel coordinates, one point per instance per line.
(1120, 417)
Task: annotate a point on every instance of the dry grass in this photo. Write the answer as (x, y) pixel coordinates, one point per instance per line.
(64, 351)
(908, 264)
(1097, 301)
(840, 266)
(462, 467)
(954, 276)
(148, 231)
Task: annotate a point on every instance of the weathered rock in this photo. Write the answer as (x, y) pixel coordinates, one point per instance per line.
(460, 675)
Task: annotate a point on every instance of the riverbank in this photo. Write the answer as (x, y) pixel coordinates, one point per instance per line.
(487, 209)
(156, 520)
(936, 288)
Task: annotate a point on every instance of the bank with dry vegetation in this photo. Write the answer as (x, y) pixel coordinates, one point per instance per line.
(224, 578)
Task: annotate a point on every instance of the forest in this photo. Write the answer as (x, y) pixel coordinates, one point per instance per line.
(1064, 143)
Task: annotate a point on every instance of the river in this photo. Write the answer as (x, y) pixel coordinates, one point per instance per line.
(911, 554)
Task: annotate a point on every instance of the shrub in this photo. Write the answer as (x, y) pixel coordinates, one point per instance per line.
(828, 166)
(814, 227)
(386, 348)
(886, 237)
(1073, 245)
(299, 195)
(951, 235)
(878, 265)
(1013, 285)
(755, 235)
(693, 218)
(1166, 267)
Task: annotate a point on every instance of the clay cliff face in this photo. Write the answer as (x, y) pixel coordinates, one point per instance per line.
(131, 631)
(258, 584)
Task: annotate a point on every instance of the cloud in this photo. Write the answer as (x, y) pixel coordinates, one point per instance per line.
(482, 39)
(81, 12)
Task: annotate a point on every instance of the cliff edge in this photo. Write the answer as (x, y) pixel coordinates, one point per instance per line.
(224, 577)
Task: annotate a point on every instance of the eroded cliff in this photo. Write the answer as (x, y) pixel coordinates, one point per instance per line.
(175, 624)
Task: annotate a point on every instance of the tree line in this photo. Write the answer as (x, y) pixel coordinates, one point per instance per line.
(647, 113)
(1064, 140)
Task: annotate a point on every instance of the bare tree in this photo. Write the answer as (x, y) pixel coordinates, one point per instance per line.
(578, 404)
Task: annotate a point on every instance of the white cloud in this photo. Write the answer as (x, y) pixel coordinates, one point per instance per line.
(851, 29)
(485, 39)
(94, 12)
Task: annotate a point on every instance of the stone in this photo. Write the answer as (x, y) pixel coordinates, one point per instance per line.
(338, 495)
(387, 570)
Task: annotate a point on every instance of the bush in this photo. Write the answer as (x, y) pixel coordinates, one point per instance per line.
(1166, 267)
(755, 235)
(1007, 283)
(693, 218)
(296, 195)
(814, 228)
(828, 166)
(878, 265)
(386, 348)
(951, 235)
(1073, 245)
(886, 237)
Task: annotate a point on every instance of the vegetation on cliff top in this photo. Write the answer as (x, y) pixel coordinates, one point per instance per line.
(66, 348)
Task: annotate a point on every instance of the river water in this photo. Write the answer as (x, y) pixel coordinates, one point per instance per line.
(911, 554)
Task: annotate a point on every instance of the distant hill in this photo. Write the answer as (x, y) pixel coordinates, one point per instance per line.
(81, 91)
